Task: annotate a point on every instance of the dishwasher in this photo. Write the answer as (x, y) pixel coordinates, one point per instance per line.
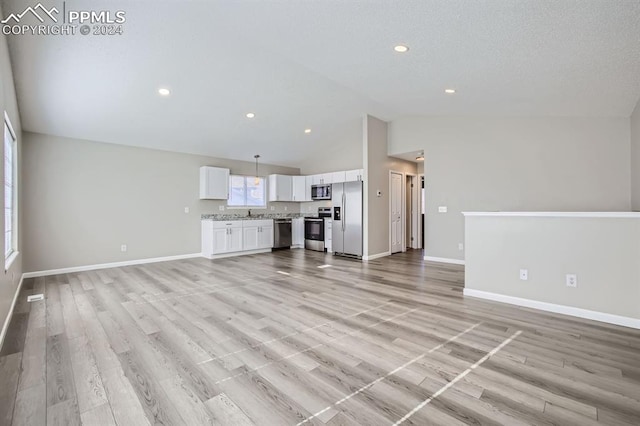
(281, 233)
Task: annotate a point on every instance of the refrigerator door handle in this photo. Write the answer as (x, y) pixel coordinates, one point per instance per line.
(344, 211)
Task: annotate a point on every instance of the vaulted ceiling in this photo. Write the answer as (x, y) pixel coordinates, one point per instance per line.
(318, 64)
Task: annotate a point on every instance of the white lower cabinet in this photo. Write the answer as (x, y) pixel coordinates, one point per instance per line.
(265, 236)
(250, 238)
(297, 232)
(258, 234)
(221, 237)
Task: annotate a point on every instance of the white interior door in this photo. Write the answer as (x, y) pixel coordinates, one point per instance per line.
(396, 212)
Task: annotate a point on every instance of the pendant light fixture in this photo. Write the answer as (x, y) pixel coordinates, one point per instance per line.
(257, 179)
(420, 157)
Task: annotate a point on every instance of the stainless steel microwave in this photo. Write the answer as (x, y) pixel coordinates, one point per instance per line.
(321, 192)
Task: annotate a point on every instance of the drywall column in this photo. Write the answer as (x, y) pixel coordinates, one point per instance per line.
(377, 165)
(601, 249)
(635, 158)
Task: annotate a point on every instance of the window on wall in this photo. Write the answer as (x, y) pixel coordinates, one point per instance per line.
(247, 191)
(9, 192)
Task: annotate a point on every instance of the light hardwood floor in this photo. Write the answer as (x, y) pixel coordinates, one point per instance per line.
(272, 339)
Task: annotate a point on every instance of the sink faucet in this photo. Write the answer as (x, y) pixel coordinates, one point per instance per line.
(249, 213)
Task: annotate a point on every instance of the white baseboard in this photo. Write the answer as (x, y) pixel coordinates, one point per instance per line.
(444, 260)
(376, 256)
(108, 265)
(234, 254)
(558, 309)
(7, 320)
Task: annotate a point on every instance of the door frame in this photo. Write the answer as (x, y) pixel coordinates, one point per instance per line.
(421, 224)
(415, 211)
(403, 205)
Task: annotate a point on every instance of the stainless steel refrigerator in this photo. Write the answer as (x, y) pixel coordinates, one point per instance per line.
(346, 199)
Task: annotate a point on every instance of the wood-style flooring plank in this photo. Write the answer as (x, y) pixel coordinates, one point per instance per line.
(98, 416)
(31, 406)
(9, 377)
(60, 386)
(223, 411)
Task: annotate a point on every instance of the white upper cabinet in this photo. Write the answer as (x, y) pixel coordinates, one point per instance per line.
(299, 189)
(214, 183)
(280, 188)
(338, 177)
(322, 179)
(354, 175)
(308, 183)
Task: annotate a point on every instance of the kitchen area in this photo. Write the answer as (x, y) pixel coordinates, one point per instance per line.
(329, 218)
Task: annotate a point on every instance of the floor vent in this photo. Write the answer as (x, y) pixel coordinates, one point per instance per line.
(35, 297)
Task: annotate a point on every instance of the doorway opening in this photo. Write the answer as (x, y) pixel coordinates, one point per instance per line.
(422, 211)
(396, 212)
(412, 216)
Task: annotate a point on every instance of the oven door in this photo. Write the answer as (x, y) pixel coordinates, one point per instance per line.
(314, 229)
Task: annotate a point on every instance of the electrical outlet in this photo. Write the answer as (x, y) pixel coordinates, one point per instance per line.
(123, 248)
(572, 280)
(285, 208)
(221, 208)
(186, 209)
(460, 246)
(524, 274)
(442, 209)
(273, 208)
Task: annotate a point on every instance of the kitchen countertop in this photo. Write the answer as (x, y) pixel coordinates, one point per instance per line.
(255, 216)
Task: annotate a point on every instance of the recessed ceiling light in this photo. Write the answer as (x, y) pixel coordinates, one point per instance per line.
(307, 130)
(401, 48)
(450, 91)
(164, 91)
(250, 115)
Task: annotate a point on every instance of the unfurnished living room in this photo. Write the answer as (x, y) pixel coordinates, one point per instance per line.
(284, 212)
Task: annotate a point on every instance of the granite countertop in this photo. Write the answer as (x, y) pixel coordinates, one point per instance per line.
(267, 216)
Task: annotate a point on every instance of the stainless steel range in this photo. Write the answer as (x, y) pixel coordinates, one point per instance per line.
(314, 229)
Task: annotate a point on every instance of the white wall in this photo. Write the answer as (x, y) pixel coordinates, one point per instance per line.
(604, 253)
(10, 279)
(635, 158)
(83, 199)
(348, 155)
(486, 164)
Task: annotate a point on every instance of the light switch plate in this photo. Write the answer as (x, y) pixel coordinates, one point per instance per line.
(442, 209)
(460, 246)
